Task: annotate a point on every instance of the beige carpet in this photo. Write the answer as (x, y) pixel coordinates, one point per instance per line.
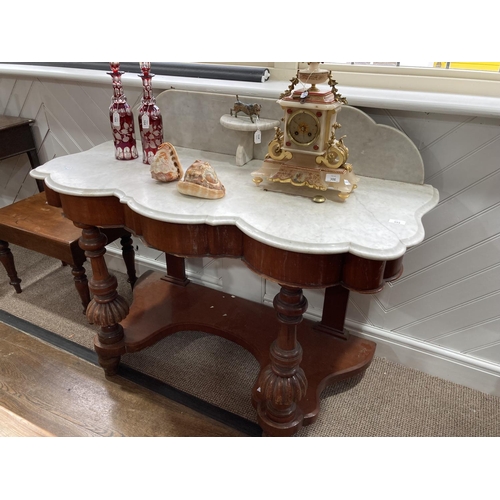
(389, 400)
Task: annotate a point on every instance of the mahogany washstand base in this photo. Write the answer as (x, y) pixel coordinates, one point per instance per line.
(161, 308)
(297, 357)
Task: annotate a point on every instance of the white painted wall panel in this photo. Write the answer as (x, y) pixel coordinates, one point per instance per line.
(18, 97)
(459, 143)
(456, 239)
(369, 307)
(58, 133)
(28, 185)
(20, 184)
(481, 334)
(77, 104)
(33, 108)
(8, 191)
(6, 86)
(101, 99)
(461, 315)
(7, 167)
(52, 147)
(32, 104)
(472, 260)
(468, 170)
(470, 205)
(354, 313)
(97, 116)
(455, 294)
(491, 354)
(64, 119)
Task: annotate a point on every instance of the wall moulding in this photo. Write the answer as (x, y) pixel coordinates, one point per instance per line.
(462, 96)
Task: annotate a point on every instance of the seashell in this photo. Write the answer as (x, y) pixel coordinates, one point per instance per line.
(201, 181)
(165, 166)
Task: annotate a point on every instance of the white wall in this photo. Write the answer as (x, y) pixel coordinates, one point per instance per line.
(442, 316)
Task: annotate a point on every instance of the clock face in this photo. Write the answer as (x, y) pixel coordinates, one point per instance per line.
(303, 128)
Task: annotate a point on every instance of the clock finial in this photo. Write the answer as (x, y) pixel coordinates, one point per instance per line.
(313, 75)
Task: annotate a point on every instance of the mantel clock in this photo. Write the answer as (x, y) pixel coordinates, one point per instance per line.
(306, 153)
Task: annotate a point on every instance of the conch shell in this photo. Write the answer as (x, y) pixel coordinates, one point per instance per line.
(165, 166)
(201, 181)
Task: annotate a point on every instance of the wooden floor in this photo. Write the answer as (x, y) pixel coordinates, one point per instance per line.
(45, 391)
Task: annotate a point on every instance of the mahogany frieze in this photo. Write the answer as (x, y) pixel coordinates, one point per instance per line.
(202, 240)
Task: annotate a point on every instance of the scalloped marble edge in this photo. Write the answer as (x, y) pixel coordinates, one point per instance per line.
(396, 249)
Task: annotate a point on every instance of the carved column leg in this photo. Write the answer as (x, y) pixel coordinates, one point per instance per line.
(81, 284)
(7, 259)
(128, 255)
(107, 308)
(283, 383)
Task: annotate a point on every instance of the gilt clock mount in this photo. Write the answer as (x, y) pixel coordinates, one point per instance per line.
(306, 153)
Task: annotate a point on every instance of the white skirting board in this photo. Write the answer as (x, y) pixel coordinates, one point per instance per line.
(412, 353)
(439, 362)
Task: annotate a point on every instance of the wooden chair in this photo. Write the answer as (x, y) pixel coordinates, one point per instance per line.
(32, 224)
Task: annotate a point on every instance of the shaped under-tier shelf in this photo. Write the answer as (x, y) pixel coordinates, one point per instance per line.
(247, 129)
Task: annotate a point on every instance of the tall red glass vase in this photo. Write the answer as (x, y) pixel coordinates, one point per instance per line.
(150, 119)
(121, 118)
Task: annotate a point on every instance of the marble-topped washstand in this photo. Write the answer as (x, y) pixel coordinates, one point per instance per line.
(339, 246)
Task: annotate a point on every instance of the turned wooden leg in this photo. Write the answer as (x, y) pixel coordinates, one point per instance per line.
(283, 383)
(107, 308)
(7, 259)
(81, 284)
(128, 254)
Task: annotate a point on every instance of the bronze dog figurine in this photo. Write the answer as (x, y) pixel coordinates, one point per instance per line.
(249, 109)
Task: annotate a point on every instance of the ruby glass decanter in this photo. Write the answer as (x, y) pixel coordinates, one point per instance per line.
(121, 118)
(150, 119)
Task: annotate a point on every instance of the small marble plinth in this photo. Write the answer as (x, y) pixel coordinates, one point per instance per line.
(247, 129)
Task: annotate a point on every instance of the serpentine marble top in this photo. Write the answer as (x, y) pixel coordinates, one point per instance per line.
(380, 220)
